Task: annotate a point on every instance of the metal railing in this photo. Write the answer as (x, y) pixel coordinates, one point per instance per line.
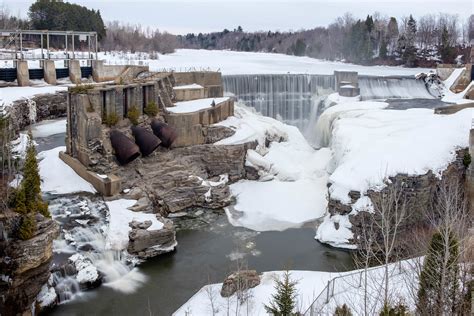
(13, 48)
(328, 292)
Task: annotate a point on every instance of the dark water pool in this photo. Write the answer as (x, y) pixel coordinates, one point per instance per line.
(205, 256)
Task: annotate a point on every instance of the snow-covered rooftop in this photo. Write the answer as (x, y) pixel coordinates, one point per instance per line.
(195, 105)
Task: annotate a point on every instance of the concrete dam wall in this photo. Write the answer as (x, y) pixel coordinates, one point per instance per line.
(291, 98)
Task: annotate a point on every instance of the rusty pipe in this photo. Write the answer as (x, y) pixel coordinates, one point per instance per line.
(165, 133)
(125, 149)
(145, 139)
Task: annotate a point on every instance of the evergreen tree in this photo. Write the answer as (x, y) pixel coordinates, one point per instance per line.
(343, 310)
(438, 289)
(28, 200)
(284, 300)
(409, 49)
(446, 51)
(383, 49)
(27, 227)
(299, 47)
(31, 184)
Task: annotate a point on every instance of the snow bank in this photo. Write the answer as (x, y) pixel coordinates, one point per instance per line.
(337, 98)
(295, 192)
(369, 146)
(336, 230)
(451, 97)
(311, 285)
(59, 178)
(48, 127)
(120, 217)
(188, 86)
(326, 120)
(195, 105)
(10, 94)
(234, 63)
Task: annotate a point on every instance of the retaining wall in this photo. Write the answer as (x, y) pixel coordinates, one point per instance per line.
(189, 126)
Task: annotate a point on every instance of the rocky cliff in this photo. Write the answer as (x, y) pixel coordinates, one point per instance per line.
(24, 264)
(418, 192)
(43, 106)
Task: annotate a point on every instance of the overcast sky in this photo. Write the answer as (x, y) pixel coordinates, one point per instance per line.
(183, 16)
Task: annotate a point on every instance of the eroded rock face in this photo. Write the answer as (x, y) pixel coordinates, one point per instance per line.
(45, 106)
(24, 264)
(239, 281)
(419, 193)
(178, 179)
(145, 243)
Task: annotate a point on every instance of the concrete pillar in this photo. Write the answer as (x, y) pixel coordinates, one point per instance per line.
(97, 70)
(75, 71)
(22, 73)
(49, 71)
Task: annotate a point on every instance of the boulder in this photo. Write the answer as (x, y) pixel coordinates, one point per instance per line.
(146, 243)
(239, 281)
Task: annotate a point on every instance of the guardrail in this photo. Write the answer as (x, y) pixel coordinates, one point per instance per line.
(329, 290)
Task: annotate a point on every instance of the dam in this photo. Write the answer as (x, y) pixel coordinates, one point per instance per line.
(295, 99)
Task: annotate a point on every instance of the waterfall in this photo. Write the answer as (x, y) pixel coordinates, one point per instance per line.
(289, 98)
(84, 229)
(392, 88)
(298, 99)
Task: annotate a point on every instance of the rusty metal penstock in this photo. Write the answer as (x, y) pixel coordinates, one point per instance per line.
(165, 133)
(125, 149)
(145, 140)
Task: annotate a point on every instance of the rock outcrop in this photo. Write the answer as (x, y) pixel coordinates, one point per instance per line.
(239, 281)
(146, 243)
(24, 264)
(419, 192)
(43, 106)
(181, 178)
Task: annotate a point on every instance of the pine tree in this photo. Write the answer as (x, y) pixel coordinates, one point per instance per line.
(28, 198)
(446, 51)
(383, 49)
(284, 300)
(438, 287)
(27, 227)
(343, 310)
(31, 183)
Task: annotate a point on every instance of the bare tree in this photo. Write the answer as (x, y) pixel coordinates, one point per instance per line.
(379, 238)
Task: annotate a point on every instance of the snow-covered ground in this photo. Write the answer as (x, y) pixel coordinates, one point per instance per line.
(292, 187)
(370, 145)
(233, 63)
(195, 105)
(57, 177)
(10, 94)
(311, 286)
(451, 97)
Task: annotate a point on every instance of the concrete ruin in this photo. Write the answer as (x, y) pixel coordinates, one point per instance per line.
(94, 111)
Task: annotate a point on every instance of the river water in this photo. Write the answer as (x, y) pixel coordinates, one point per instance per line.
(209, 249)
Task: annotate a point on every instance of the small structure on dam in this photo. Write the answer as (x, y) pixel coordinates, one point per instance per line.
(110, 125)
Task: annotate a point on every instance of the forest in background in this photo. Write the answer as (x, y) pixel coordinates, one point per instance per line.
(375, 40)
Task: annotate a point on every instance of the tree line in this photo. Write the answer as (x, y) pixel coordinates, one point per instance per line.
(375, 40)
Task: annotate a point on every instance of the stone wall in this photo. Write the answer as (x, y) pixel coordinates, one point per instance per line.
(101, 72)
